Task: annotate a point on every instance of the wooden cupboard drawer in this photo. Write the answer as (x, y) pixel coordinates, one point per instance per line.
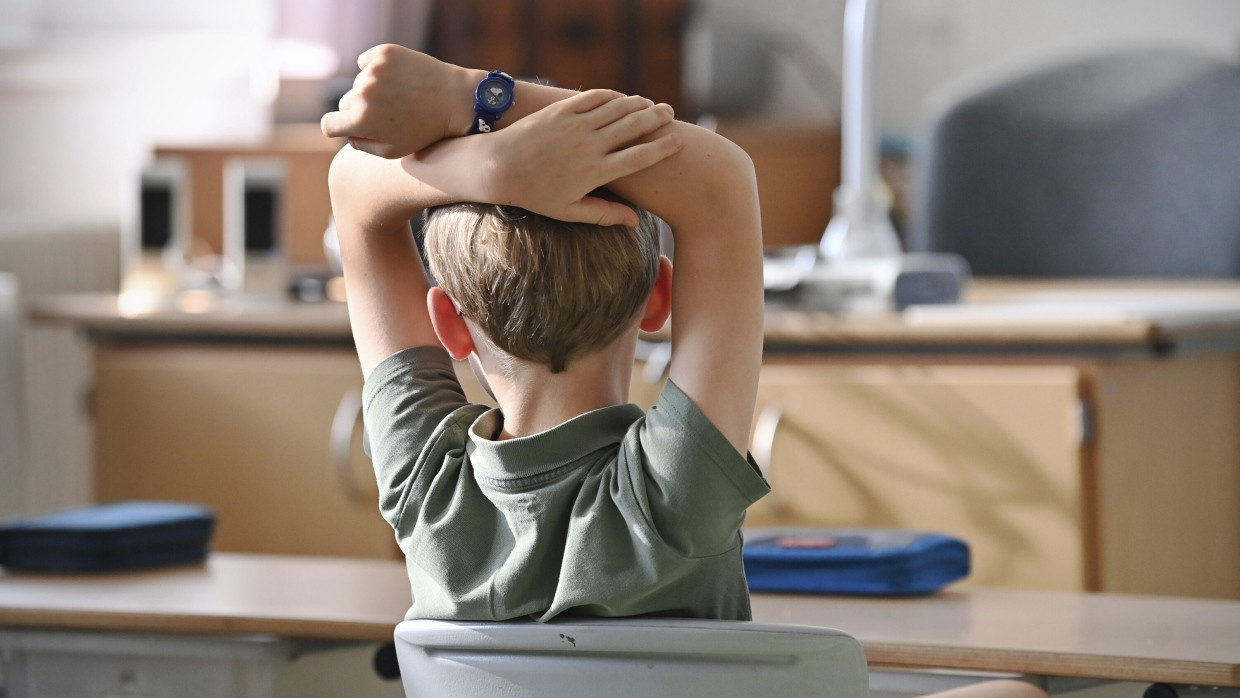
(245, 430)
(248, 431)
(989, 454)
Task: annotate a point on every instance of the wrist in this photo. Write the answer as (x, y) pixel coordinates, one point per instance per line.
(461, 98)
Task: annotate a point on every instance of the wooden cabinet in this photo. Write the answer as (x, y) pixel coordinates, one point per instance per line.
(990, 454)
(1113, 475)
(1098, 475)
(1077, 436)
(245, 430)
(267, 434)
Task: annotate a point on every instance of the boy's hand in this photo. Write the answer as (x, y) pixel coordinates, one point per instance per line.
(550, 161)
(401, 102)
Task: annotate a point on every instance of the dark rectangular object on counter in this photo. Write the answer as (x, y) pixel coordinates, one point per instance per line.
(852, 561)
(108, 538)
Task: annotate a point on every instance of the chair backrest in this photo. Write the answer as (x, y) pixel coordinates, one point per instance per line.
(12, 441)
(628, 657)
(1120, 164)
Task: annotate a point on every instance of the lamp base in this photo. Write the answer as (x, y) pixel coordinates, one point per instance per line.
(800, 279)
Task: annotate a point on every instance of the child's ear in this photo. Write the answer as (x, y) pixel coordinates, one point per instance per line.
(449, 324)
(659, 305)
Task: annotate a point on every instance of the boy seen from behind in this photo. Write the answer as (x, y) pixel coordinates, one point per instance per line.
(566, 500)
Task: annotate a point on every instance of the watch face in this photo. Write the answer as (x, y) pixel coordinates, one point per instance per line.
(494, 94)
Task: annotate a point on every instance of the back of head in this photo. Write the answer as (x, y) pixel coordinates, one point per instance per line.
(543, 290)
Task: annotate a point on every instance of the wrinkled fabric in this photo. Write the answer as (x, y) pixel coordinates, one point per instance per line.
(617, 512)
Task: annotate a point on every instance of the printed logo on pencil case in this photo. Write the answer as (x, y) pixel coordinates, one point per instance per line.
(807, 542)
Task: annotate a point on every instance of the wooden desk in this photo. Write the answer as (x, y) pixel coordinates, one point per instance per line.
(1043, 633)
(1079, 435)
(999, 317)
(1186, 641)
(233, 593)
(1003, 317)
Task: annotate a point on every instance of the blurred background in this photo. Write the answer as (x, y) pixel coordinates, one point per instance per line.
(89, 89)
(180, 138)
(94, 93)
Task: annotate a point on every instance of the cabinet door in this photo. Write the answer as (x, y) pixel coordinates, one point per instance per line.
(247, 431)
(990, 454)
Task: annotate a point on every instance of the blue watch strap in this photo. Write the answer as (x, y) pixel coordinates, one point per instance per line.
(492, 98)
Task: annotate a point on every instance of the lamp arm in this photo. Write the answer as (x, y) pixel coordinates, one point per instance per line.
(860, 224)
(859, 123)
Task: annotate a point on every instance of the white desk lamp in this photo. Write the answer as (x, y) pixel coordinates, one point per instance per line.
(858, 264)
(860, 226)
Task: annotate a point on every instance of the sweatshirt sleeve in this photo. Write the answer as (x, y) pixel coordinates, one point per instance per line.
(697, 485)
(407, 402)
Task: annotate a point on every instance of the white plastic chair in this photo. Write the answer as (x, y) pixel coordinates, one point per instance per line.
(627, 657)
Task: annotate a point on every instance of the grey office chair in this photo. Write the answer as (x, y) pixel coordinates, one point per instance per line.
(627, 657)
(1123, 164)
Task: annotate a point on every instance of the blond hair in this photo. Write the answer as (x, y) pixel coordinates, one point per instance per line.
(542, 290)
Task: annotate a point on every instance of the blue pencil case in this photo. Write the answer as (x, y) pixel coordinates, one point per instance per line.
(852, 561)
(108, 538)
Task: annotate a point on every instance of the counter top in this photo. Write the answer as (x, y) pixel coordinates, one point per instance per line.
(1073, 634)
(196, 315)
(1083, 317)
(231, 593)
(1041, 633)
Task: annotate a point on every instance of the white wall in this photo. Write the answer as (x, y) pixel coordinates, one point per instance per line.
(87, 87)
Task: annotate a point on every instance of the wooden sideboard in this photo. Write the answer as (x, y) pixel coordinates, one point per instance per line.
(1080, 436)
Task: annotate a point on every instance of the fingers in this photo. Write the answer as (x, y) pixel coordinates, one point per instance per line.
(347, 100)
(373, 147)
(635, 158)
(344, 124)
(636, 124)
(592, 209)
(588, 101)
(614, 109)
(338, 124)
(371, 54)
(349, 121)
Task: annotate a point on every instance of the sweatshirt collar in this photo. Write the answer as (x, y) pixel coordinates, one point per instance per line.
(509, 461)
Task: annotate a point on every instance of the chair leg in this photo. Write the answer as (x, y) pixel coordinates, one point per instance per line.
(385, 663)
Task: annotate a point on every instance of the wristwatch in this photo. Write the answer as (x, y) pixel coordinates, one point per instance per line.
(491, 100)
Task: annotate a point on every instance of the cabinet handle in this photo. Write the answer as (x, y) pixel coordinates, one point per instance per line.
(762, 446)
(344, 426)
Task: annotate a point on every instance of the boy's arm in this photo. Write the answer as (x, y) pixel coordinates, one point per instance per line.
(575, 146)
(706, 192)
(372, 202)
(403, 101)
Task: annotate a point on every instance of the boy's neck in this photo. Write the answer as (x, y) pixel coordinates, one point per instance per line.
(533, 399)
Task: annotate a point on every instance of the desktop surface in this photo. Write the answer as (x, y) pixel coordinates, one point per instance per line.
(1104, 636)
